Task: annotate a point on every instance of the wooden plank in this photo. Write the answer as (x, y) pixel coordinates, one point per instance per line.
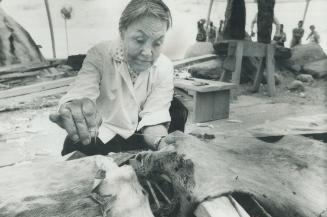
(19, 75)
(236, 76)
(211, 85)
(211, 106)
(223, 76)
(232, 46)
(254, 49)
(270, 67)
(36, 87)
(188, 61)
(25, 67)
(251, 49)
(219, 207)
(301, 125)
(259, 75)
(23, 101)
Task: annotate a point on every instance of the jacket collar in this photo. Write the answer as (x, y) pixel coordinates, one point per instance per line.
(118, 51)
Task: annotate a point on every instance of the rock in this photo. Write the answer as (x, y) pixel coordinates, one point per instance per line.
(317, 69)
(296, 86)
(207, 70)
(303, 54)
(307, 53)
(282, 53)
(199, 49)
(305, 78)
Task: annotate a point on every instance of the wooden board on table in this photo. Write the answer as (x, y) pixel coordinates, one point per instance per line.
(192, 60)
(36, 87)
(209, 87)
(19, 75)
(25, 67)
(22, 101)
(302, 125)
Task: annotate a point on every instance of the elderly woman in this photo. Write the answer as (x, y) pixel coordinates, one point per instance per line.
(126, 86)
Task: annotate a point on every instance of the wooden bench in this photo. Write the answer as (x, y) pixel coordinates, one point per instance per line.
(211, 98)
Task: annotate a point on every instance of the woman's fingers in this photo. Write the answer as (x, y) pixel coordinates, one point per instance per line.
(90, 115)
(80, 123)
(80, 119)
(67, 122)
(55, 118)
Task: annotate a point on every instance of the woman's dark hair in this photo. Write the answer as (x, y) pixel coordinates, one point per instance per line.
(141, 8)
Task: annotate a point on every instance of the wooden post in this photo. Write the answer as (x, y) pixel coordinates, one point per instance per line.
(270, 66)
(259, 75)
(51, 28)
(236, 75)
(66, 31)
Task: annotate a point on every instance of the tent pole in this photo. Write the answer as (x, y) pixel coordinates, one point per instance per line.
(208, 18)
(306, 10)
(51, 28)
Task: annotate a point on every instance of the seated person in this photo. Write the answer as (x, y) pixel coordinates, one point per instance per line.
(121, 99)
(314, 36)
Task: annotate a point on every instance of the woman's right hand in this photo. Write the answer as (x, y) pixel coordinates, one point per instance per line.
(79, 118)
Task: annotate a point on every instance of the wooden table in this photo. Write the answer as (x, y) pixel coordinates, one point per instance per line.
(211, 98)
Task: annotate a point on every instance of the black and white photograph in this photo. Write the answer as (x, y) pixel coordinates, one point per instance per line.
(163, 108)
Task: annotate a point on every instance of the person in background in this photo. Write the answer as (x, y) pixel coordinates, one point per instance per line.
(314, 35)
(202, 35)
(122, 98)
(212, 32)
(281, 37)
(297, 34)
(255, 20)
(219, 34)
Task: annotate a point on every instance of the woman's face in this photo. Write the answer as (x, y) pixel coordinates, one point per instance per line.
(143, 41)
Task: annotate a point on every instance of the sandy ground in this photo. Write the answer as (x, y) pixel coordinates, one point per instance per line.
(97, 20)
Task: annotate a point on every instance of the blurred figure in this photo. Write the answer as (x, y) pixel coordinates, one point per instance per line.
(212, 33)
(281, 37)
(255, 20)
(297, 34)
(202, 35)
(219, 34)
(314, 35)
